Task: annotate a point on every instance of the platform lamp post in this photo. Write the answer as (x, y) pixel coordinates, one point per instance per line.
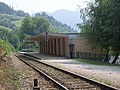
(46, 36)
(46, 40)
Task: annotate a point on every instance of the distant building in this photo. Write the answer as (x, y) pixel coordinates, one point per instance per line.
(65, 44)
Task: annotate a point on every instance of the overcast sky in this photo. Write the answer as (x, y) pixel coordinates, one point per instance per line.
(32, 6)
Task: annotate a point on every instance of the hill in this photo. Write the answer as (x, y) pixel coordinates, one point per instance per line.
(10, 21)
(55, 25)
(5, 9)
(11, 18)
(71, 18)
(5, 33)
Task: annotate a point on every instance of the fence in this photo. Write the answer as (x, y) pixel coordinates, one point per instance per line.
(88, 55)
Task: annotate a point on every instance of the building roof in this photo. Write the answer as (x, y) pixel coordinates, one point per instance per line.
(46, 36)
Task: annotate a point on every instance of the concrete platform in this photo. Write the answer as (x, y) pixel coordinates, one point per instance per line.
(46, 57)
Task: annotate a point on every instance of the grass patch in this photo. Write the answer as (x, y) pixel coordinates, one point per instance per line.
(105, 82)
(9, 76)
(96, 62)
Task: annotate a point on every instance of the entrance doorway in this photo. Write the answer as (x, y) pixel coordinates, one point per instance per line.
(71, 50)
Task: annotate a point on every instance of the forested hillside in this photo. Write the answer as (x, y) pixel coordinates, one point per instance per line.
(5, 9)
(56, 26)
(16, 26)
(10, 21)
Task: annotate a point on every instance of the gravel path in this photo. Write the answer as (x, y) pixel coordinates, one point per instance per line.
(106, 74)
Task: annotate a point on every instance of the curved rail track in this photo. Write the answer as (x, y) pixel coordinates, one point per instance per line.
(65, 79)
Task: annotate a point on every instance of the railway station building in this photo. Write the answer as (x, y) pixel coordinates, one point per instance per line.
(65, 44)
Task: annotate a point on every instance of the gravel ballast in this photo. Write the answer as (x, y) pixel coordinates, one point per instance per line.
(106, 74)
(28, 75)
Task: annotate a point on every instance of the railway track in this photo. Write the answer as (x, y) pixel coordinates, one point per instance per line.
(66, 80)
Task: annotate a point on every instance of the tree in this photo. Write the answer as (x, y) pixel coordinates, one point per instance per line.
(41, 25)
(115, 27)
(95, 25)
(101, 25)
(27, 27)
(32, 26)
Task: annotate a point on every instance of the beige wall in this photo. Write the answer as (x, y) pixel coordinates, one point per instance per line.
(81, 45)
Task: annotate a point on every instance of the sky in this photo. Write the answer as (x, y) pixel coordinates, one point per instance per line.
(33, 6)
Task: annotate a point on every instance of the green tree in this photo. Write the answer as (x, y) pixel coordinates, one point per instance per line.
(101, 25)
(95, 25)
(41, 24)
(115, 27)
(35, 25)
(32, 26)
(27, 27)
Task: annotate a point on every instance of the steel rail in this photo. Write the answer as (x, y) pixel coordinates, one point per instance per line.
(107, 87)
(62, 87)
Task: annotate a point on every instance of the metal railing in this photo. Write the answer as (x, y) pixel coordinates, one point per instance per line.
(90, 56)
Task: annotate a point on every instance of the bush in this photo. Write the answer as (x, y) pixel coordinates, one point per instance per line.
(5, 47)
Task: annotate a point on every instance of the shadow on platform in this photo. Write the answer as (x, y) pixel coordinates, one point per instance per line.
(46, 56)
